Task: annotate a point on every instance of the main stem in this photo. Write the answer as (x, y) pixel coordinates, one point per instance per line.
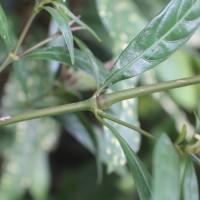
(12, 55)
(100, 102)
(46, 112)
(107, 100)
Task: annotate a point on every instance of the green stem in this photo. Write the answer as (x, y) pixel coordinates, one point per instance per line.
(12, 55)
(43, 42)
(100, 102)
(6, 62)
(25, 30)
(46, 112)
(110, 117)
(106, 100)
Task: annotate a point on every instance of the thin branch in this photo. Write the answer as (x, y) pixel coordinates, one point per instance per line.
(47, 40)
(43, 42)
(110, 117)
(106, 100)
(12, 55)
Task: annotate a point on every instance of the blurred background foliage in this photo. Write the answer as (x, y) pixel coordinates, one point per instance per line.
(53, 158)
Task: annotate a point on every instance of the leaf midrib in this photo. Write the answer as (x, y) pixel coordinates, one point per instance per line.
(157, 42)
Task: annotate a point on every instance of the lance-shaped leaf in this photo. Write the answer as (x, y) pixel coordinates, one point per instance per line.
(76, 19)
(190, 184)
(164, 35)
(62, 55)
(5, 33)
(62, 21)
(140, 174)
(91, 59)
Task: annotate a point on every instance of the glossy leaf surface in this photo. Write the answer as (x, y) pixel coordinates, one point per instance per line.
(166, 167)
(5, 32)
(62, 22)
(164, 35)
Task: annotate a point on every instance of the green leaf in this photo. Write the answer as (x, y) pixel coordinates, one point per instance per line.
(62, 55)
(190, 183)
(31, 137)
(164, 35)
(80, 128)
(25, 88)
(140, 174)
(121, 34)
(62, 21)
(91, 59)
(133, 138)
(5, 32)
(115, 157)
(72, 16)
(166, 170)
(129, 21)
(22, 93)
